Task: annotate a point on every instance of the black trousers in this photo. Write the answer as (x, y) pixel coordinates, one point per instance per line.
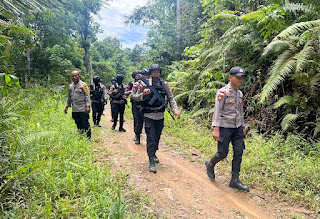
(97, 109)
(137, 120)
(236, 136)
(82, 121)
(153, 130)
(118, 109)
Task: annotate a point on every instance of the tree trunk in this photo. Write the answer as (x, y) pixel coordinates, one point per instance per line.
(87, 62)
(27, 72)
(178, 26)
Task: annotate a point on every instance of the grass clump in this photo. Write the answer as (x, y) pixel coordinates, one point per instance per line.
(48, 168)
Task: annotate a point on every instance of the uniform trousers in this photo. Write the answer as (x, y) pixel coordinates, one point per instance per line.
(153, 130)
(118, 109)
(137, 119)
(236, 136)
(97, 109)
(82, 121)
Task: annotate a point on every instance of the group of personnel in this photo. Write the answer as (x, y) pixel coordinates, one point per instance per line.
(150, 96)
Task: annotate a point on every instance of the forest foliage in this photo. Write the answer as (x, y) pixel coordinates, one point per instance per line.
(276, 42)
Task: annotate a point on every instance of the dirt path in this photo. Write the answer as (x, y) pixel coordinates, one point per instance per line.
(180, 188)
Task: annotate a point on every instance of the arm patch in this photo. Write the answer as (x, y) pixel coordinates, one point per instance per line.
(85, 88)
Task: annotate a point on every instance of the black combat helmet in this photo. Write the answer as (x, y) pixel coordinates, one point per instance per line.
(96, 80)
(113, 79)
(154, 67)
(145, 71)
(135, 73)
(119, 76)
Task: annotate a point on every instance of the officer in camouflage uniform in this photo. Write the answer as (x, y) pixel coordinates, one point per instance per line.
(98, 97)
(228, 125)
(79, 99)
(154, 114)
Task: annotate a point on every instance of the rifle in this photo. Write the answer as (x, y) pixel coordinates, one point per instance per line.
(157, 96)
(120, 92)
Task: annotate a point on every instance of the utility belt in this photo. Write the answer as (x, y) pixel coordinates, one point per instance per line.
(160, 109)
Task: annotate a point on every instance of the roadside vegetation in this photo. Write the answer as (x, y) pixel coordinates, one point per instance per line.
(48, 169)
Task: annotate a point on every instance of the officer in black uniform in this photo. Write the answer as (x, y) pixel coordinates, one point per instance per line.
(113, 80)
(119, 101)
(228, 125)
(99, 96)
(137, 110)
(153, 110)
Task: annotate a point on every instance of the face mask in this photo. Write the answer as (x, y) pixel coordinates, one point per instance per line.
(119, 81)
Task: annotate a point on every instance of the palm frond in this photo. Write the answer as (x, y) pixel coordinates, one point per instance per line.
(200, 112)
(232, 31)
(284, 66)
(289, 120)
(297, 29)
(298, 7)
(276, 46)
(303, 56)
(291, 101)
(226, 16)
(253, 16)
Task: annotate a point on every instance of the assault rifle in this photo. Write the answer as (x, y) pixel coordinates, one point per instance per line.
(120, 92)
(157, 96)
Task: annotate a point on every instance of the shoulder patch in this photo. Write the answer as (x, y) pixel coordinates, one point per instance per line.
(220, 97)
(85, 88)
(221, 92)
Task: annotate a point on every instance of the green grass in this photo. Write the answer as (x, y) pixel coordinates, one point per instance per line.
(48, 169)
(286, 166)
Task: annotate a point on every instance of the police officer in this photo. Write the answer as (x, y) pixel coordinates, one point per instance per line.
(137, 109)
(79, 99)
(119, 101)
(228, 125)
(113, 80)
(98, 97)
(154, 113)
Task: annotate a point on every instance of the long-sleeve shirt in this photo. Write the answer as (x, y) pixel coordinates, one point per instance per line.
(228, 110)
(137, 95)
(78, 96)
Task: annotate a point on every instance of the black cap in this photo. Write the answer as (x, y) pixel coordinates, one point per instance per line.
(237, 71)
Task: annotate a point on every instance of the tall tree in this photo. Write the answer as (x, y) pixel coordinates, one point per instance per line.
(83, 11)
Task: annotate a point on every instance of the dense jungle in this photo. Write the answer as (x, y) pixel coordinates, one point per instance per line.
(48, 170)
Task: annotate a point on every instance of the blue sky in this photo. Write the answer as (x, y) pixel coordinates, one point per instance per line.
(112, 22)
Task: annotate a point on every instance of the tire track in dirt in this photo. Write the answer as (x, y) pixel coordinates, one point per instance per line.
(180, 188)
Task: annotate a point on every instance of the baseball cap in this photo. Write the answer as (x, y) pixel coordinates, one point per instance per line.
(237, 71)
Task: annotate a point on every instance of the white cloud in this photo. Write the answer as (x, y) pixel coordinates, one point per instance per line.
(112, 22)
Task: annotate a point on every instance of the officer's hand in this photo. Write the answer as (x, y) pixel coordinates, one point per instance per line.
(115, 91)
(66, 110)
(244, 132)
(146, 91)
(216, 133)
(87, 109)
(177, 115)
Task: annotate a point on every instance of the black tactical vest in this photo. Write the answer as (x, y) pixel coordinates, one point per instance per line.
(97, 94)
(157, 105)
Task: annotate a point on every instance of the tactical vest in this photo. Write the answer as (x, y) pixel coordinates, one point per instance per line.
(119, 95)
(97, 94)
(157, 106)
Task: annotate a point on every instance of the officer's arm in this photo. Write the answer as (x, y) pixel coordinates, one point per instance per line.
(219, 102)
(69, 99)
(105, 93)
(172, 101)
(137, 92)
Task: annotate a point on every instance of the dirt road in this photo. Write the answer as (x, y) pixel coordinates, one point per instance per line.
(180, 188)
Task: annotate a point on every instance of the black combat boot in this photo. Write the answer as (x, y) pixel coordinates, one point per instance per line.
(137, 139)
(236, 183)
(152, 165)
(121, 129)
(156, 159)
(114, 126)
(210, 170)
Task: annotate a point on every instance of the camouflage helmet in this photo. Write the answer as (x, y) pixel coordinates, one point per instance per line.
(135, 73)
(145, 71)
(96, 79)
(154, 67)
